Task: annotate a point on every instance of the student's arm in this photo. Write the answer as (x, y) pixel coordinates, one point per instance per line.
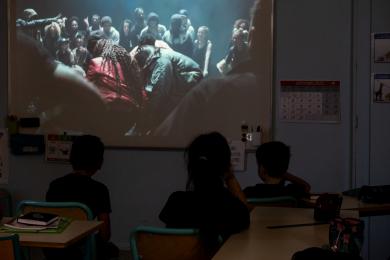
(105, 229)
(234, 187)
(298, 181)
(207, 59)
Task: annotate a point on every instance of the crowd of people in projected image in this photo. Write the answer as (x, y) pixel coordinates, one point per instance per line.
(144, 66)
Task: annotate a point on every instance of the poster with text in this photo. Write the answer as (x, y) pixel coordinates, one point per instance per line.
(58, 148)
(381, 88)
(4, 170)
(381, 47)
(237, 149)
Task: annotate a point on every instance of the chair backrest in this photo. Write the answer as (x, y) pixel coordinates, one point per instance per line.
(9, 247)
(282, 201)
(150, 243)
(74, 210)
(5, 202)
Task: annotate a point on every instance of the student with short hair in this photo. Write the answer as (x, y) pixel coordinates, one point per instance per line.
(86, 158)
(109, 31)
(273, 159)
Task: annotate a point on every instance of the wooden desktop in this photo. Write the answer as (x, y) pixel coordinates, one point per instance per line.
(262, 242)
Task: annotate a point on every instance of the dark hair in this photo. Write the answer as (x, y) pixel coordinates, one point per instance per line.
(106, 19)
(274, 157)
(147, 39)
(183, 12)
(93, 38)
(73, 18)
(96, 15)
(153, 17)
(240, 21)
(63, 40)
(87, 153)
(176, 23)
(116, 54)
(143, 54)
(208, 159)
(137, 11)
(128, 21)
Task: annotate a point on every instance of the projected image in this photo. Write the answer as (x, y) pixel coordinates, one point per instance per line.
(119, 68)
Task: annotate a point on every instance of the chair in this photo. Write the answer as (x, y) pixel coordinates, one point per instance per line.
(74, 210)
(5, 202)
(150, 243)
(10, 248)
(282, 201)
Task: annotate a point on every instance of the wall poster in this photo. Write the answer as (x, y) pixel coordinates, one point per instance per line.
(305, 101)
(381, 88)
(58, 147)
(381, 44)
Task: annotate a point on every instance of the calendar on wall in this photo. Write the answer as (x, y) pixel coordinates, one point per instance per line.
(317, 101)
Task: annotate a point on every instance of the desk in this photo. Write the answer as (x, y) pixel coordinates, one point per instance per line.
(76, 230)
(260, 242)
(365, 209)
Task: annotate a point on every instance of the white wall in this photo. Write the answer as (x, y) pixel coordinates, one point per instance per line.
(313, 42)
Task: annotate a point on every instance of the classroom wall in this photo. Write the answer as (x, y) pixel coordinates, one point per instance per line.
(315, 40)
(373, 130)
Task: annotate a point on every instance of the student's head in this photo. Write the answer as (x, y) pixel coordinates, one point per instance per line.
(93, 38)
(153, 20)
(63, 43)
(143, 54)
(29, 14)
(106, 24)
(208, 160)
(176, 24)
(241, 24)
(95, 21)
(73, 24)
(139, 15)
(203, 33)
(273, 159)
(239, 37)
(147, 39)
(126, 26)
(79, 39)
(87, 154)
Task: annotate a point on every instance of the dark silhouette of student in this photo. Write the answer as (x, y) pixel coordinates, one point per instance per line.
(272, 160)
(213, 200)
(86, 158)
